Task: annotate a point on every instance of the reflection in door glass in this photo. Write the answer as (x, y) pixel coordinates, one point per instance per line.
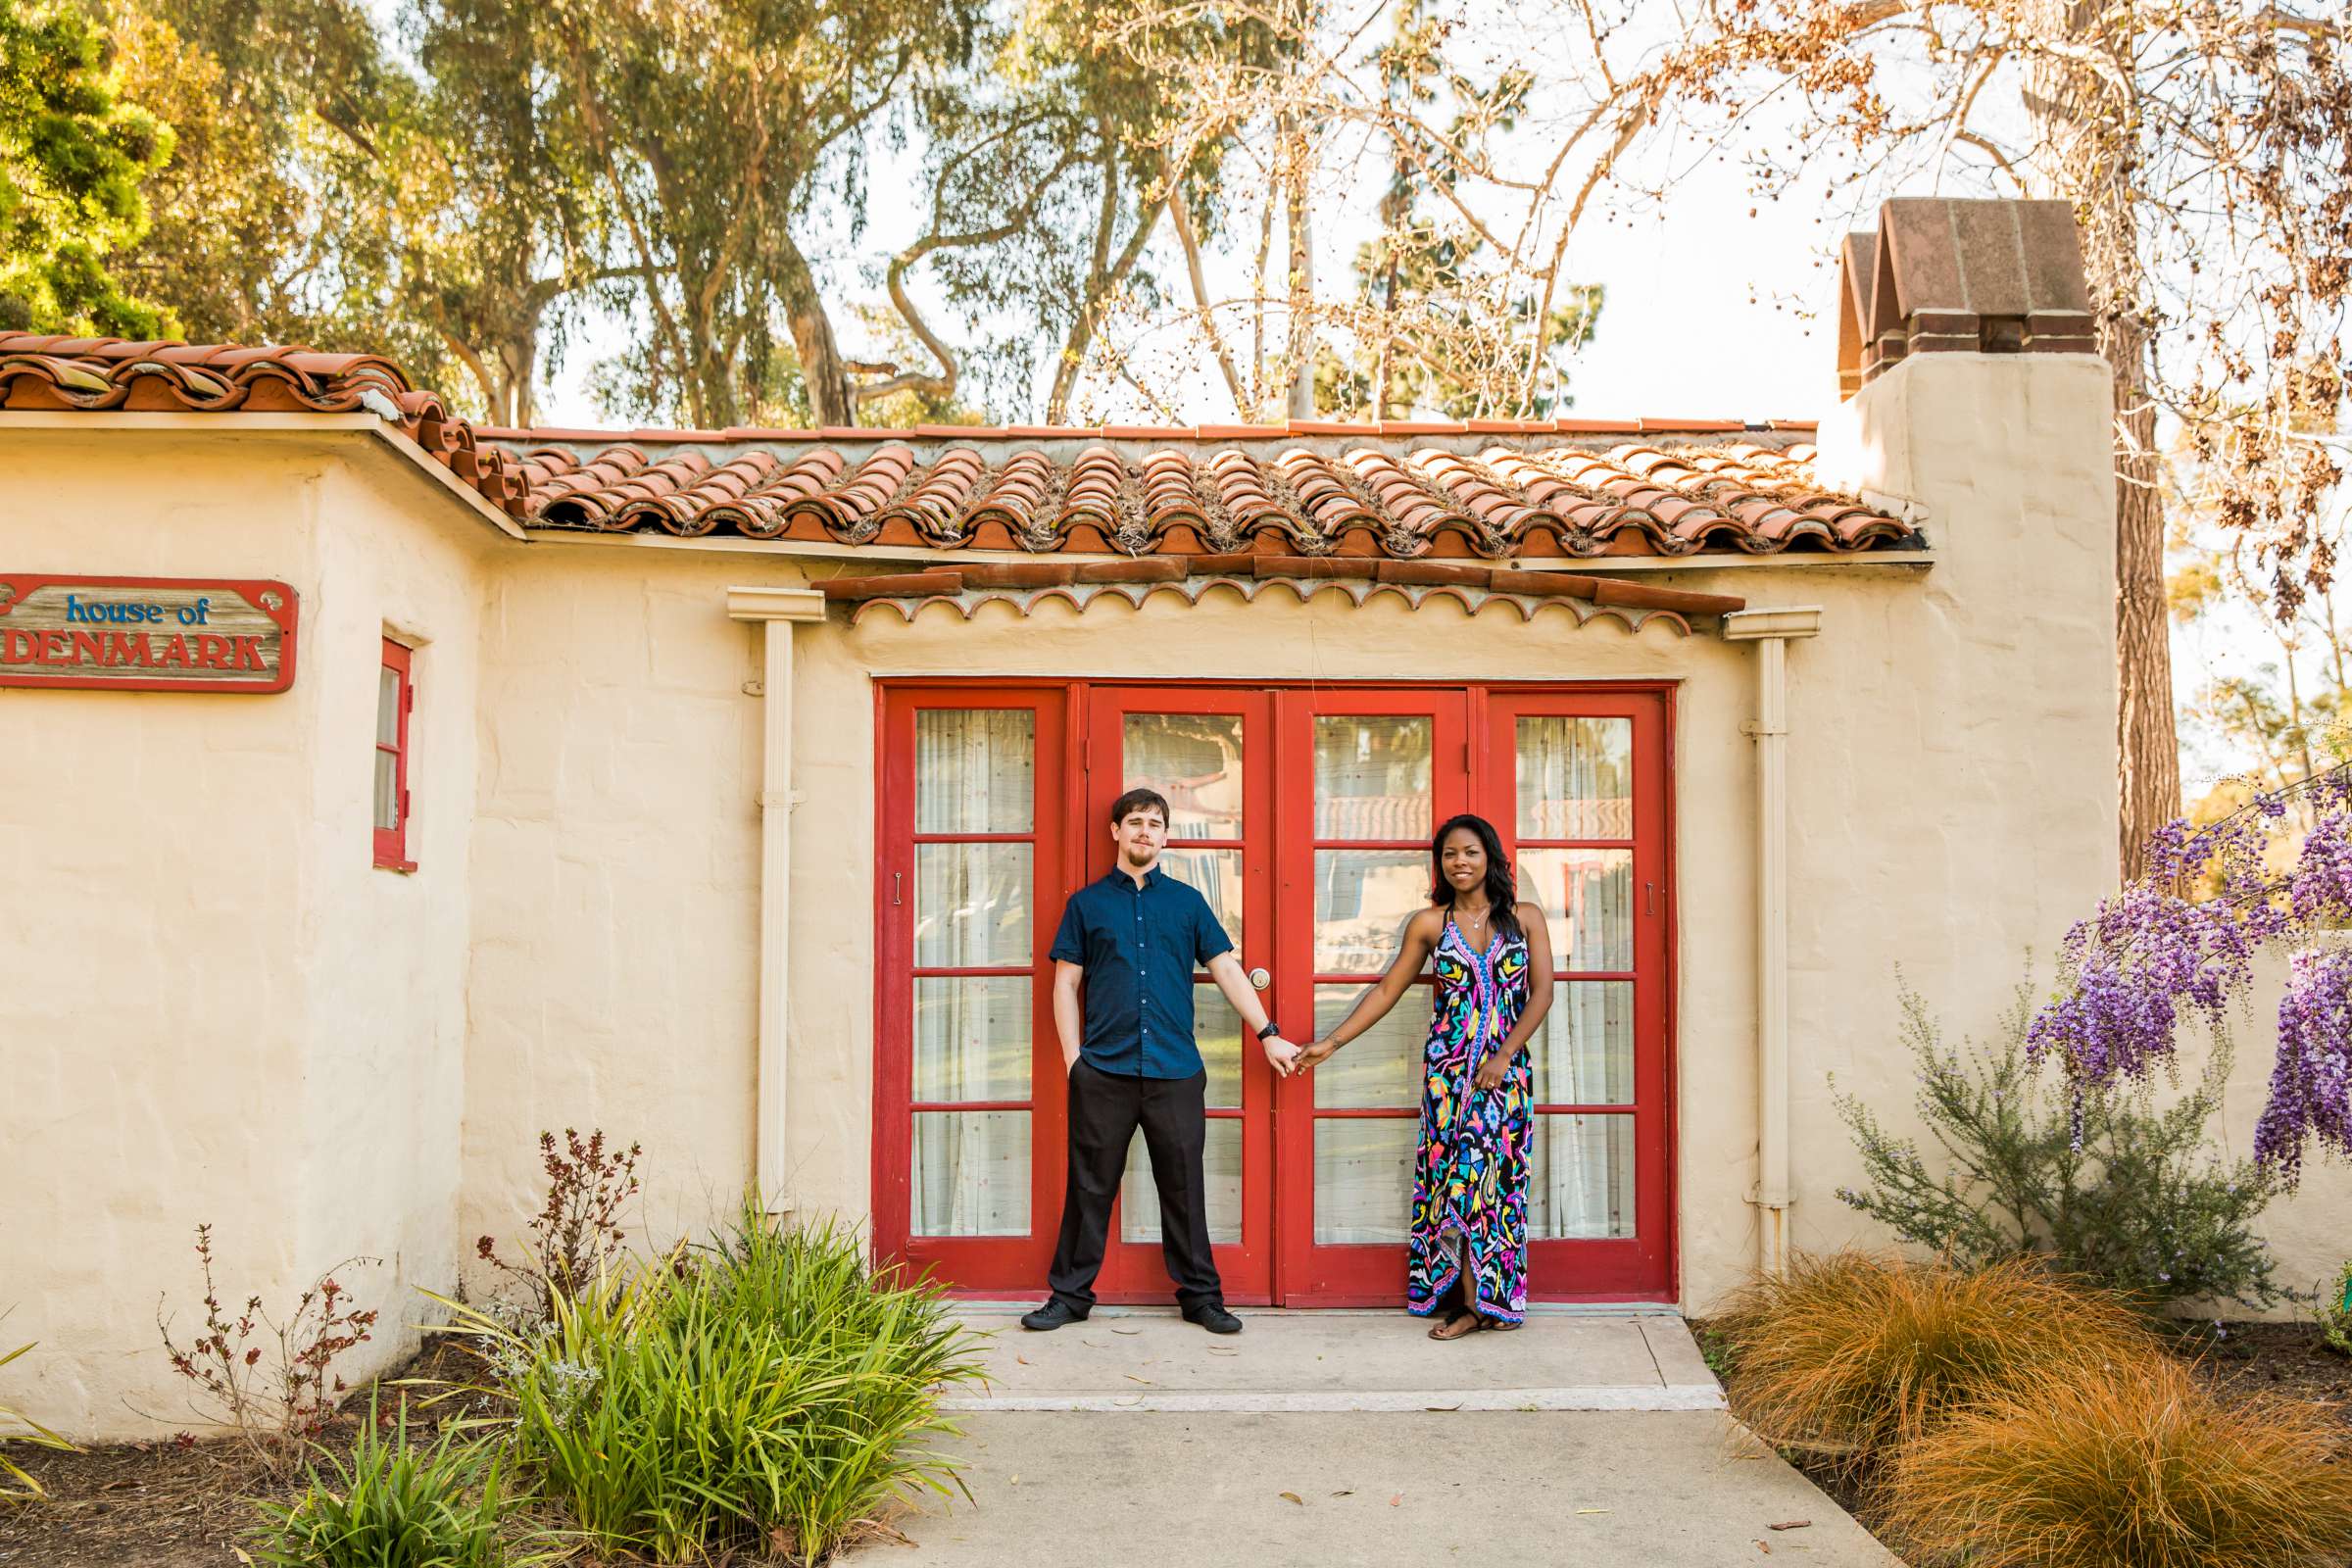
(1588, 898)
(1362, 900)
(1576, 777)
(1217, 874)
(1194, 760)
(1372, 777)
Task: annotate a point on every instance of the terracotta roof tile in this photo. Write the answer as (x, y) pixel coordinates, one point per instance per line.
(1476, 496)
(1473, 491)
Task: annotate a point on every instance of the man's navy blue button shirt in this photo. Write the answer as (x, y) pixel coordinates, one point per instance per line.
(1139, 947)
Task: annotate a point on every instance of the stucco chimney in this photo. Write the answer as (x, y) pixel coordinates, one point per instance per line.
(1976, 409)
(1940, 275)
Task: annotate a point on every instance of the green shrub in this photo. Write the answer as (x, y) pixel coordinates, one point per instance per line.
(2147, 1468)
(2335, 1314)
(394, 1504)
(1853, 1354)
(768, 1393)
(2142, 1201)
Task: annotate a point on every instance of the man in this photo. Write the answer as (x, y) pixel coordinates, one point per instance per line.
(1135, 938)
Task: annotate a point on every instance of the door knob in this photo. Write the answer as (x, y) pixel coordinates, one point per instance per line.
(1259, 979)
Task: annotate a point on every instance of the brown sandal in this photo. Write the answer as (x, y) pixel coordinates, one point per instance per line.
(1459, 1325)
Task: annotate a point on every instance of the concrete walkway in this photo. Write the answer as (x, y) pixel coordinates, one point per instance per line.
(1331, 1437)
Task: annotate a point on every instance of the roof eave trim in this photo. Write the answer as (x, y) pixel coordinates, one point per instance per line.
(286, 423)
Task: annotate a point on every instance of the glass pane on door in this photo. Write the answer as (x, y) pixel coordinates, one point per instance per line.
(1217, 874)
(1584, 1049)
(1364, 1178)
(1194, 760)
(1382, 1065)
(972, 1173)
(972, 1036)
(1587, 897)
(1362, 900)
(1579, 1178)
(1576, 777)
(1372, 777)
(975, 769)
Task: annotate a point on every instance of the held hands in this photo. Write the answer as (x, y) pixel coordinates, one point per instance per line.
(1316, 1055)
(1282, 1055)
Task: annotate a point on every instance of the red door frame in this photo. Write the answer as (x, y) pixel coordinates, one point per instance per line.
(1137, 1270)
(1643, 1268)
(961, 1258)
(1353, 1274)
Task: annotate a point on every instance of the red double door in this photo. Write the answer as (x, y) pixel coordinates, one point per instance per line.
(1304, 817)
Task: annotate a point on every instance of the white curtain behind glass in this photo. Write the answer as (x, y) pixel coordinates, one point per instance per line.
(974, 773)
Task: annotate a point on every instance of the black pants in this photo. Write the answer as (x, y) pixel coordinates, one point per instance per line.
(1105, 1112)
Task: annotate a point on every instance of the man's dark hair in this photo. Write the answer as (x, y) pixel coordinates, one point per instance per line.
(1136, 800)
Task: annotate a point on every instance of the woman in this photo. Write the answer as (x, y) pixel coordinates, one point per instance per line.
(1468, 1260)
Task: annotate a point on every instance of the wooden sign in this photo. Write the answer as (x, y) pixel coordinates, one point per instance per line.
(146, 634)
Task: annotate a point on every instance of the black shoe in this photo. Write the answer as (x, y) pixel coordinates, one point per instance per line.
(1213, 1316)
(1055, 1314)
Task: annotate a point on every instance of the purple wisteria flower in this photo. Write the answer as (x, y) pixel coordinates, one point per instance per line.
(2310, 1087)
(2181, 942)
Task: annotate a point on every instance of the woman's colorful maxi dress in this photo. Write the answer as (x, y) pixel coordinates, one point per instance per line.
(1470, 1180)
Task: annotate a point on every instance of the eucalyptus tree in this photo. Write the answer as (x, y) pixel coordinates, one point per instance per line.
(73, 156)
(726, 148)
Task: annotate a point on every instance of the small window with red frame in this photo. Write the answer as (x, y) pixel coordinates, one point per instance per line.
(395, 697)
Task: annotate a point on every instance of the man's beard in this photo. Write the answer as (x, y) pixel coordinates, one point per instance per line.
(1137, 857)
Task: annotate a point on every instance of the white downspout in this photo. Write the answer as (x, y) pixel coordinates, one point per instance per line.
(777, 609)
(1770, 631)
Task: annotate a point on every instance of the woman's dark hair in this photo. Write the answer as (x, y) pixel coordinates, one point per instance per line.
(1503, 889)
(1135, 800)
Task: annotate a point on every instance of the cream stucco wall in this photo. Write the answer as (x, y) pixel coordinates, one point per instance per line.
(214, 1007)
(211, 1007)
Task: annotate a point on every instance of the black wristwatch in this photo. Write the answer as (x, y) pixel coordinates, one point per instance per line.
(1269, 1029)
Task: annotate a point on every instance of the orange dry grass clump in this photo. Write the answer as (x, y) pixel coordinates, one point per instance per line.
(1851, 1353)
(2144, 1468)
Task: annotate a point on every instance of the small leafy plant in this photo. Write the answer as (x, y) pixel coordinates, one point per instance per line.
(396, 1502)
(2094, 1178)
(767, 1395)
(576, 1235)
(2335, 1314)
(272, 1382)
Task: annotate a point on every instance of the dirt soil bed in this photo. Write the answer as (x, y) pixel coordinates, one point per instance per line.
(170, 1505)
(2276, 1358)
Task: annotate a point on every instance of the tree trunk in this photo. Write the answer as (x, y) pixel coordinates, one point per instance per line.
(2087, 128)
(1300, 403)
(823, 372)
(2147, 746)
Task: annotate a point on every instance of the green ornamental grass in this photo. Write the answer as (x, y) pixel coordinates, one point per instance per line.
(770, 1392)
(396, 1502)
